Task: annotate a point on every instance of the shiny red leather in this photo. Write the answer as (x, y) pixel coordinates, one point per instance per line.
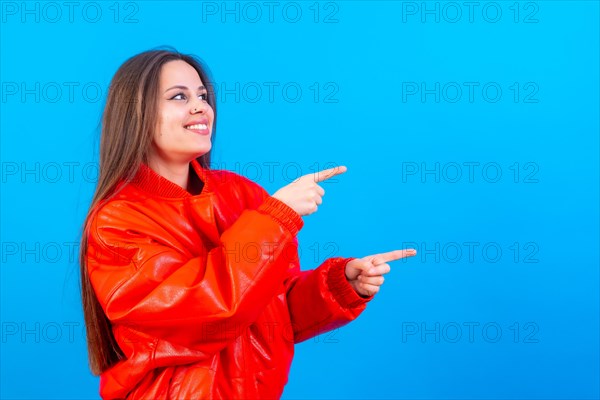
(205, 292)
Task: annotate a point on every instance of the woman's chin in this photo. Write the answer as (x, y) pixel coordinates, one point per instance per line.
(200, 151)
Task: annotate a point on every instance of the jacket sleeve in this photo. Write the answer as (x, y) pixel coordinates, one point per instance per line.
(321, 299)
(150, 287)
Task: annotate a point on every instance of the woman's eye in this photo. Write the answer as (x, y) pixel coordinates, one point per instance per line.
(181, 96)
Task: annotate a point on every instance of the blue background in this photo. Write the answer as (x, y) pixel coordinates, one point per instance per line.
(532, 308)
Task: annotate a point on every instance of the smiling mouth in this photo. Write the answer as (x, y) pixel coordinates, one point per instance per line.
(197, 127)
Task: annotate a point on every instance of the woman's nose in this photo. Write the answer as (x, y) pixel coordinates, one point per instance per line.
(199, 106)
(198, 109)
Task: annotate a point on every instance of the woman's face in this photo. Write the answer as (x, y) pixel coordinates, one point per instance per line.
(185, 118)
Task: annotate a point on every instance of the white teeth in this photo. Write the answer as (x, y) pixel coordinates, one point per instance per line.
(197, 126)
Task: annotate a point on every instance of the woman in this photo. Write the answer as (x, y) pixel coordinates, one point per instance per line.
(191, 283)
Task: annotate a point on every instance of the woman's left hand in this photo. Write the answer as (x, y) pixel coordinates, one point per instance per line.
(365, 274)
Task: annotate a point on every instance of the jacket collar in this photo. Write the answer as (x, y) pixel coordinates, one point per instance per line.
(151, 182)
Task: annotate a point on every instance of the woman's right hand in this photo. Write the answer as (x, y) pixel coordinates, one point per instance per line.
(304, 195)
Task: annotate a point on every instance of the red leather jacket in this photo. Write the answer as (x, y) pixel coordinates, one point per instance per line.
(205, 292)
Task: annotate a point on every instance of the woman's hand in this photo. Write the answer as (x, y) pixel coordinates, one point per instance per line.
(365, 274)
(304, 195)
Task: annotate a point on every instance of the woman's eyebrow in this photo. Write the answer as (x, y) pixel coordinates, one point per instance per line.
(184, 87)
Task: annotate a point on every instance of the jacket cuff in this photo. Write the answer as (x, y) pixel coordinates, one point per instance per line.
(341, 289)
(282, 213)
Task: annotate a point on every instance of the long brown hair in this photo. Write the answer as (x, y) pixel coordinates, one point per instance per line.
(129, 119)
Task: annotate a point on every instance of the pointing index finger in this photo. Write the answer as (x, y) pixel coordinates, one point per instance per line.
(329, 173)
(392, 256)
